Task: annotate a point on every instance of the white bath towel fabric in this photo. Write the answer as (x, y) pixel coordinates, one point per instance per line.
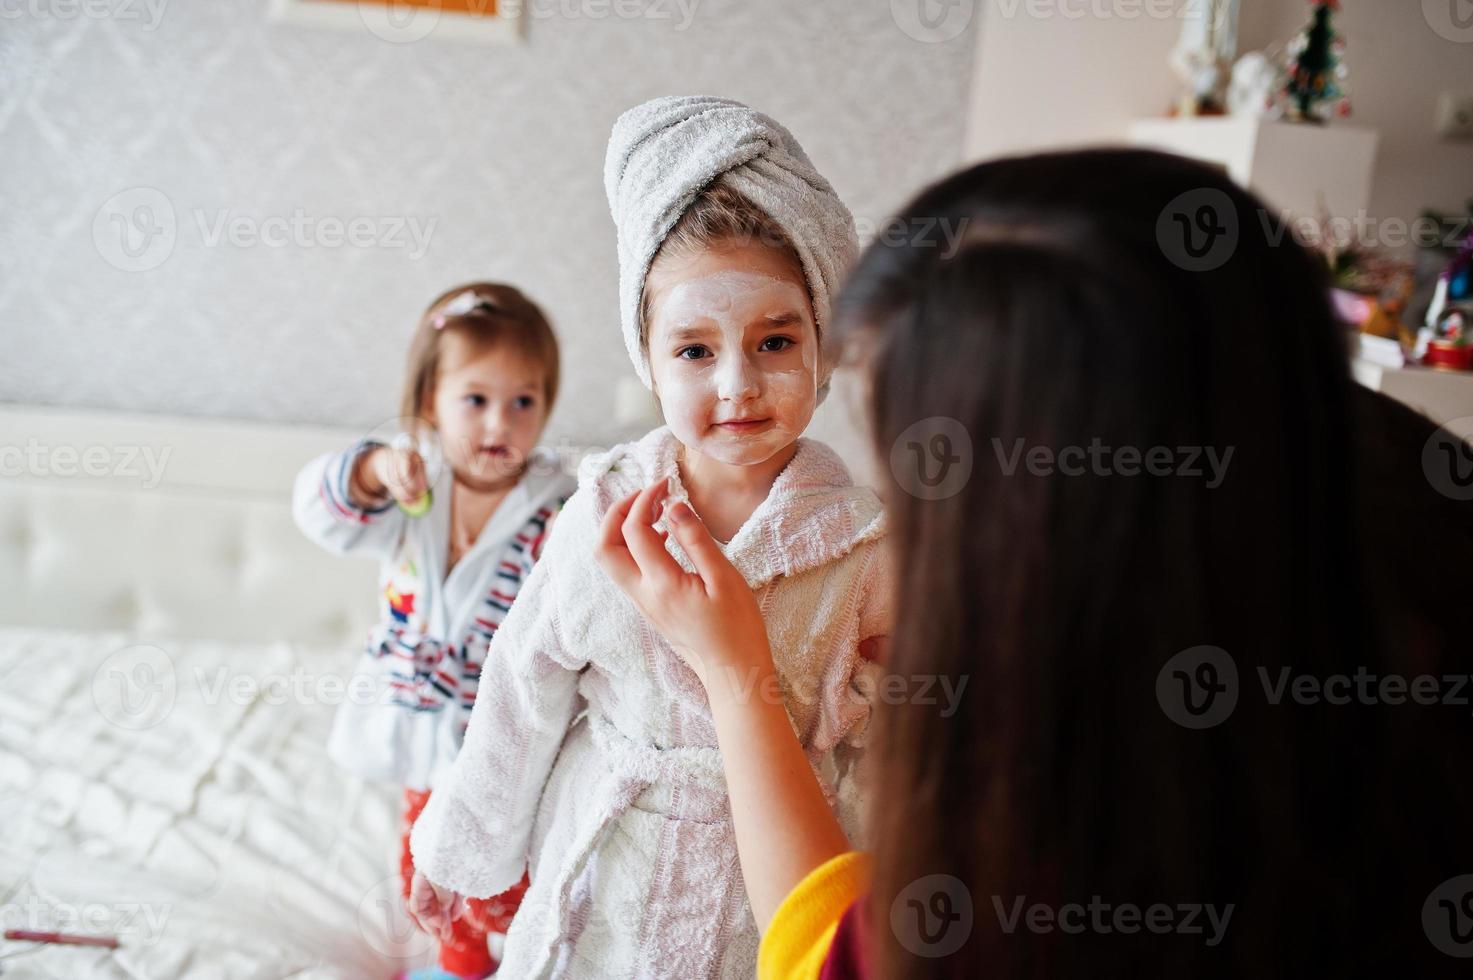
(663, 153)
(591, 755)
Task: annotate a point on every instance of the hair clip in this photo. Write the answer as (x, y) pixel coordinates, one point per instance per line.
(463, 304)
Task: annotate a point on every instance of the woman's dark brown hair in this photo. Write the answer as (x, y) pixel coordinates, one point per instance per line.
(1077, 310)
(504, 316)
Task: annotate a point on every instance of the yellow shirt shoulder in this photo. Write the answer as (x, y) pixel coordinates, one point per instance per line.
(797, 940)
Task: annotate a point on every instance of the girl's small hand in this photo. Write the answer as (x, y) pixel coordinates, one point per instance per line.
(710, 618)
(393, 471)
(434, 908)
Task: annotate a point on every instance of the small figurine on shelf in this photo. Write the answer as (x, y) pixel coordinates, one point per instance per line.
(1200, 59)
(1316, 72)
(1451, 347)
(1460, 273)
(1257, 86)
(1455, 284)
(1446, 337)
(1369, 289)
(1452, 327)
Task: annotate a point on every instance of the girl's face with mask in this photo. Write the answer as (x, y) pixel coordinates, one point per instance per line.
(733, 350)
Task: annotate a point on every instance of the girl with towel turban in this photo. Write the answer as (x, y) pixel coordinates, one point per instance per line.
(591, 757)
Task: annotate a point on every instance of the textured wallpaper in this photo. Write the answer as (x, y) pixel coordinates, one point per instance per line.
(207, 211)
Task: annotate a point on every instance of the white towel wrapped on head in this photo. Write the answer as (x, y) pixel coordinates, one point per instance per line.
(663, 153)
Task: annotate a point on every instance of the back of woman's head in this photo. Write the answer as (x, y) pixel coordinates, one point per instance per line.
(1152, 396)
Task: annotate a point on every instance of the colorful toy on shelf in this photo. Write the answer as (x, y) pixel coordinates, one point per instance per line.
(1459, 273)
(1370, 287)
(1451, 347)
(1448, 333)
(1452, 327)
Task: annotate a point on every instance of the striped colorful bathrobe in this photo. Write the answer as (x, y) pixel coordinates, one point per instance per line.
(405, 711)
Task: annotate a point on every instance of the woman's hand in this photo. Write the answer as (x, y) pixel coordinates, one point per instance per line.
(433, 908)
(710, 618)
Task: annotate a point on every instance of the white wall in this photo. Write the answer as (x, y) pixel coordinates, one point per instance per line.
(1056, 80)
(220, 111)
(1398, 66)
(1047, 82)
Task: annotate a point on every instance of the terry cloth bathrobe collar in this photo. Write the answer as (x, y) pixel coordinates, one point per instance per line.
(813, 515)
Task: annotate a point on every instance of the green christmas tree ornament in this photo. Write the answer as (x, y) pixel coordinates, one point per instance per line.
(1316, 72)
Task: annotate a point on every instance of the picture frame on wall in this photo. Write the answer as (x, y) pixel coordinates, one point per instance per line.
(406, 21)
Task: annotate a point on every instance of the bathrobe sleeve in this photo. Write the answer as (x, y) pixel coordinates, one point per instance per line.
(474, 833)
(324, 509)
(861, 686)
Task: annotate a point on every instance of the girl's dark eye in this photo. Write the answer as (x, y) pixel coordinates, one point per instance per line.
(776, 343)
(692, 353)
(476, 401)
(525, 401)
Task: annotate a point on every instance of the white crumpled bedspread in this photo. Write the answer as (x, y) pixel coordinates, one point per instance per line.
(178, 795)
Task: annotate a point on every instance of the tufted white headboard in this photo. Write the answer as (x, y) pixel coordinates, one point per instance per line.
(168, 527)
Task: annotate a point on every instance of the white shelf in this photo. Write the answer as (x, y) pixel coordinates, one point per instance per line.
(1293, 166)
(1442, 396)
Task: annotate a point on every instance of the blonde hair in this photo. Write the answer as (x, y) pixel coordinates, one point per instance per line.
(718, 216)
(501, 316)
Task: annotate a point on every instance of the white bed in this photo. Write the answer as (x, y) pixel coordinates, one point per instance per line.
(171, 652)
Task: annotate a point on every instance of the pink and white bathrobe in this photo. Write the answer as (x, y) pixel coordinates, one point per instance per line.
(591, 756)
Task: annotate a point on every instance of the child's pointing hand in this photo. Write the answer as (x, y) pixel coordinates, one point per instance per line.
(710, 618)
(389, 471)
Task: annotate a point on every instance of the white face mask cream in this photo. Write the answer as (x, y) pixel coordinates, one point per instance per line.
(734, 357)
